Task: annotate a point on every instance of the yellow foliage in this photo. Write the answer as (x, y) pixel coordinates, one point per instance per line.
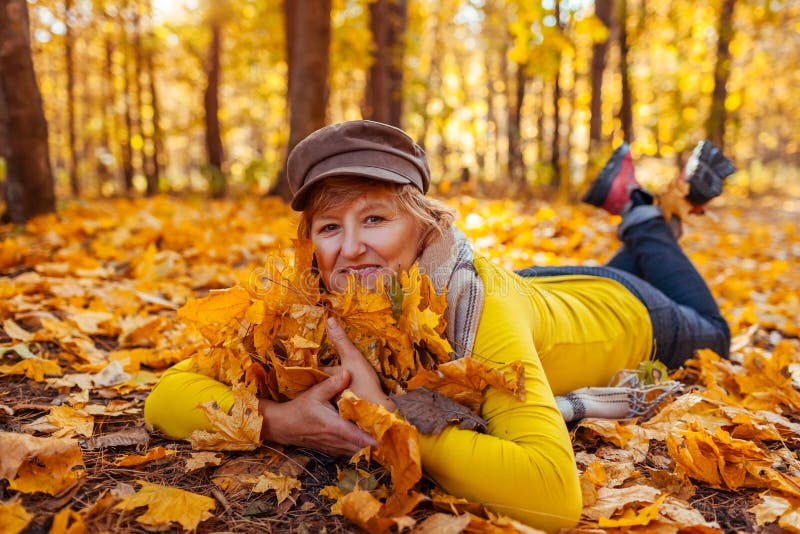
(167, 505)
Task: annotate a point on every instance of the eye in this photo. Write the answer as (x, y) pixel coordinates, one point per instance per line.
(374, 219)
(327, 228)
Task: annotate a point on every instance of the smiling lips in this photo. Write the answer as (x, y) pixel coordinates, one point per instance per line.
(362, 270)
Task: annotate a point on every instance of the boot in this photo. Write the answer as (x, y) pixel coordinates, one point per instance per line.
(612, 188)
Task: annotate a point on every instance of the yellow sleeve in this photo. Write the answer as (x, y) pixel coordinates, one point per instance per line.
(172, 406)
(524, 466)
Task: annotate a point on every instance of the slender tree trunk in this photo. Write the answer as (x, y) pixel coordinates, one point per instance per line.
(158, 134)
(29, 180)
(70, 103)
(603, 11)
(109, 112)
(715, 125)
(626, 109)
(384, 92)
(516, 168)
(211, 99)
(540, 118)
(127, 144)
(151, 160)
(434, 79)
(555, 152)
(308, 36)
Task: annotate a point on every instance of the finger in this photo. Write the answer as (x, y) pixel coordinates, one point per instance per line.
(332, 370)
(344, 347)
(327, 389)
(357, 437)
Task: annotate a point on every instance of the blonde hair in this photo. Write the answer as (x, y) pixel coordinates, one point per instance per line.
(338, 191)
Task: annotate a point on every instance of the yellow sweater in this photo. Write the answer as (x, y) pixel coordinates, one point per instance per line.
(570, 331)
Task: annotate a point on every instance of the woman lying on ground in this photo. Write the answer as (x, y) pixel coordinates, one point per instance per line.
(360, 186)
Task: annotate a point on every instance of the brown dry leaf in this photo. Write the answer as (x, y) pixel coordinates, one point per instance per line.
(123, 438)
(721, 461)
(626, 436)
(431, 412)
(282, 484)
(499, 525)
(239, 431)
(156, 453)
(398, 441)
(440, 523)
(455, 505)
(772, 508)
(370, 514)
(166, 505)
(13, 517)
(199, 460)
(67, 521)
(31, 464)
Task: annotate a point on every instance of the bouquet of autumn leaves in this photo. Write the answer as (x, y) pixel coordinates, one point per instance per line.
(269, 340)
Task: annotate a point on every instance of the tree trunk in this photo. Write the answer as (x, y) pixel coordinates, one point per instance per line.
(104, 169)
(383, 100)
(715, 125)
(626, 109)
(555, 152)
(127, 144)
(603, 12)
(29, 177)
(154, 175)
(70, 103)
(308, 36)
(211, 99)
(152, 169)
(516, 169)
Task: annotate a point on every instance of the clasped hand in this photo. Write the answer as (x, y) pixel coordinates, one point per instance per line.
(310, 419)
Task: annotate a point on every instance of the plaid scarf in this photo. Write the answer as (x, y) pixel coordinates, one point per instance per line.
(448, 261)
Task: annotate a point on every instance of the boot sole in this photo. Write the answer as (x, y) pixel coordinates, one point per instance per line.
(599, 188)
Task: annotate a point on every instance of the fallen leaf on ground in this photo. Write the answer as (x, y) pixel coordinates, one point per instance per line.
(31, 464)
(166, 505)
(156, 453)
(13, 517)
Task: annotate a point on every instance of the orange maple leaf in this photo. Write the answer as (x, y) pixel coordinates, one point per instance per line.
(398, 441)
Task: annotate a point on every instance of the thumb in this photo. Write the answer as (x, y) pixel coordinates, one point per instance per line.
(333, 386)
(344, 347)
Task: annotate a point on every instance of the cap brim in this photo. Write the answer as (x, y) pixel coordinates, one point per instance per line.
(375, 173)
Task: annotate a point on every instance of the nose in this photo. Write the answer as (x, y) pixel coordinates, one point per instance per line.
(353, 245)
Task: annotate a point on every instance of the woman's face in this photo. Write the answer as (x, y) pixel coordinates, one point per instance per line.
(365, 238)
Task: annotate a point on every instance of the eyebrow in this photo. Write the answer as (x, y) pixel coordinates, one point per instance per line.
(378, 204)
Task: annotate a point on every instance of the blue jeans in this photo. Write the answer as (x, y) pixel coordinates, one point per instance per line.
(652, 266)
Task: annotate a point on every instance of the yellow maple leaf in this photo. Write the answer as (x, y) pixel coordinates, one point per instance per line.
(33, 368)
(71, 421)
(31, 464)
(13, 517)
(292, 381)
(630, 518)
(199, 460)
(282, 484)
(239, 431)
(67, 521)
(398, 441)
(166, 505)
(673, 201)
(156, 453)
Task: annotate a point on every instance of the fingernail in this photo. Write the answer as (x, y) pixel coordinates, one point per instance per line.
(331, 322)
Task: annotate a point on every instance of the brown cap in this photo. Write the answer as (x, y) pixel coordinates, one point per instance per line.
(356, 148)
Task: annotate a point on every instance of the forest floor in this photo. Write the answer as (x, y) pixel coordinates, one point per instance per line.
(100, 282)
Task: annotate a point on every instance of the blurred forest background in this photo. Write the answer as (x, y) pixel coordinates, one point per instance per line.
(507, 96)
